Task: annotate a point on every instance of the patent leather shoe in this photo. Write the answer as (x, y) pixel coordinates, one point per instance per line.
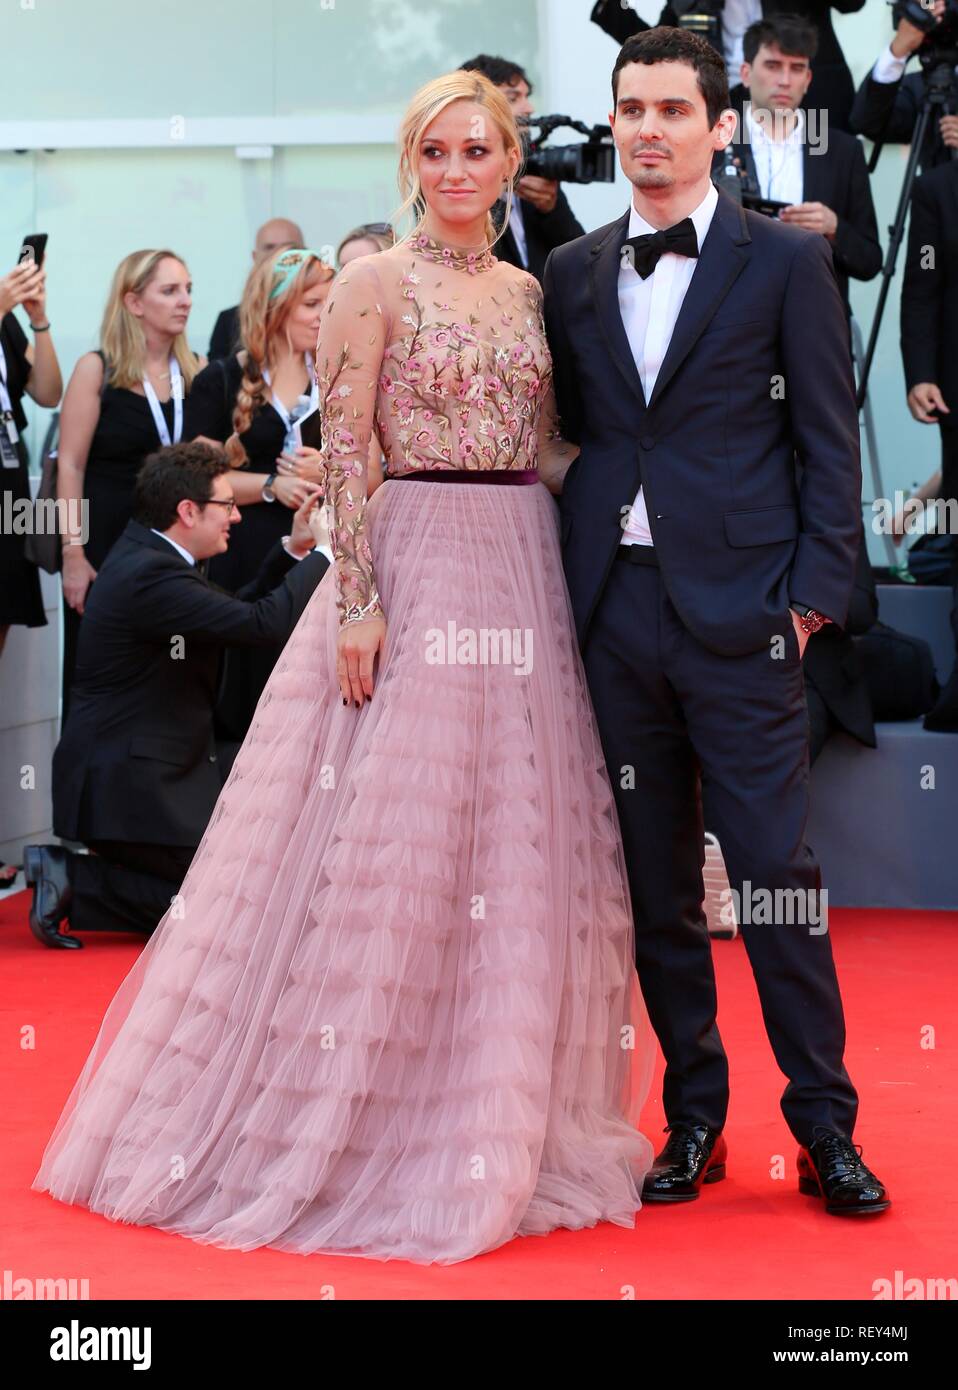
(693, 1155)
(831, 1167)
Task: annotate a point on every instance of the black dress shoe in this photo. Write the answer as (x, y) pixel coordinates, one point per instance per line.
(831, 1167)
(693, 1155)
(45, 867)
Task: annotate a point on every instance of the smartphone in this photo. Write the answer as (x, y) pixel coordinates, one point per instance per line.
(33, 248)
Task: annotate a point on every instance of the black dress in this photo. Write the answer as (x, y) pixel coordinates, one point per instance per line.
(209, 411)
(125, 434)
(20, 598)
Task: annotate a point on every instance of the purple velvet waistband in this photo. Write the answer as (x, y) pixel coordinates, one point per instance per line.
(514, 476)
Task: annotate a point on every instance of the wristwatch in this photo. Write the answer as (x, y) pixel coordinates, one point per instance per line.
(268, 494)
(810, 619)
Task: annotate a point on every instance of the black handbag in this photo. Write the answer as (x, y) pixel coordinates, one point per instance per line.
(42, 548)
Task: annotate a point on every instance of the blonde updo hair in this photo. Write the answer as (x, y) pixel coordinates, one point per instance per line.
(426, 105)
(122, 339)
(262, 320)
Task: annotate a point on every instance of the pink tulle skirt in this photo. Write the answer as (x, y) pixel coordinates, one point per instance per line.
(393, 1010)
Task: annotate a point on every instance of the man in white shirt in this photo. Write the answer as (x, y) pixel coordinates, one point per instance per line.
(699, 359)
(820, 175)
(888, 103)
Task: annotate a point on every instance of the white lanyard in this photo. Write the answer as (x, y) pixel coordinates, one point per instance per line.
(278, 405)
(5, 402)
(158, 417)
(7, 422)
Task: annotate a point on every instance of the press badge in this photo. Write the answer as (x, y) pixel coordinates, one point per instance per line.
(8, 440)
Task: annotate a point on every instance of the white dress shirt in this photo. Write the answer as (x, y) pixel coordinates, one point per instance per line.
(779, 164)
(175, 544)
(737, 15)
(649, 310)
(889, 67)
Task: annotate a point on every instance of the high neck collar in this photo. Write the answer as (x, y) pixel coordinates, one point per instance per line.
(456, 258)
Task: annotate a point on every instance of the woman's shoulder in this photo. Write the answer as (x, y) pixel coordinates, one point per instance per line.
(524, 283)
(90, 369)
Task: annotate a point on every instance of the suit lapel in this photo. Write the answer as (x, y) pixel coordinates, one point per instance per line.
(604, 276)
(722, 257)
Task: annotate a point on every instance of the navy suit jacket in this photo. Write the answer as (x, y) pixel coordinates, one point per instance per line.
(757, 374)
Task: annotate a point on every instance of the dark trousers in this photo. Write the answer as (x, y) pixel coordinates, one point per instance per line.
(727, 737)
(125, 886)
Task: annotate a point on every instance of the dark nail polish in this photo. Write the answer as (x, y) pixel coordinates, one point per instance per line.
(345, 701)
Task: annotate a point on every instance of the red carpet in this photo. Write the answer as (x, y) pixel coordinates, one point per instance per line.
(751, 1236)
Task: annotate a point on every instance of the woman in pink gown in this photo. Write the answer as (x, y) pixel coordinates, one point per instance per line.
(393, 1010)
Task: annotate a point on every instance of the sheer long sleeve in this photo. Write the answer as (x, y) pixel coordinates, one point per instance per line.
(349, 354)
(556, 454)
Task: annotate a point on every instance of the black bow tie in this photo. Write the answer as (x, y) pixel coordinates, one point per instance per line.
(646, 250)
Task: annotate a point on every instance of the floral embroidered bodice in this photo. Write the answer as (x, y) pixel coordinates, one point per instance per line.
(443, 353)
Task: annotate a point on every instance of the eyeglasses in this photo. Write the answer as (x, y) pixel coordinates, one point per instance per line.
(377, 229)
(219, 502)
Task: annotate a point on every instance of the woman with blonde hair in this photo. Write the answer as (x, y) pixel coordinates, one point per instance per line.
(399, 1016)
(122, 401)
(365, 241)
(254, 403)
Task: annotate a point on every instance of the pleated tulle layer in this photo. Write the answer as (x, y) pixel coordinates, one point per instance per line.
(393, 1010)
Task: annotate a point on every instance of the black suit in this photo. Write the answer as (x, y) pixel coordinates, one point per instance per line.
(544, 230)
(831, 87)
(836, 176)
(694, 667)
(888, 111)
(225, 340)
(136, 763)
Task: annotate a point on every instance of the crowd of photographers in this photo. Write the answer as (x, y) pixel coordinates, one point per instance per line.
(169, 449)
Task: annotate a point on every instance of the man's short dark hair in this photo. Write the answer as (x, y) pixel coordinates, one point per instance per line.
(498, 70)
(666, 44)
(792, 33)
(167, 477)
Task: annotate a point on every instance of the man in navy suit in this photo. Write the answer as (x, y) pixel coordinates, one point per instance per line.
(699, 354)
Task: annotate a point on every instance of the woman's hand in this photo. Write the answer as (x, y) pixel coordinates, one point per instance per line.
(292, 492)
(20, 285)
(357, 646)
(35, 297)
(78, 575)
(305, 463)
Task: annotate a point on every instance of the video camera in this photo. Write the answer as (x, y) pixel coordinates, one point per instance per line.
(938, 54)
(590, 161)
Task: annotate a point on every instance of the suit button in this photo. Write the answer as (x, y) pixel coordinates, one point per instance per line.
(212, 758)
(647, 441)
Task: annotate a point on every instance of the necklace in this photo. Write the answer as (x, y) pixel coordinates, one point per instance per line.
(472, 262)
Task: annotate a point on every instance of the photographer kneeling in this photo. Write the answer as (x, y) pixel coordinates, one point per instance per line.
(135, 774)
